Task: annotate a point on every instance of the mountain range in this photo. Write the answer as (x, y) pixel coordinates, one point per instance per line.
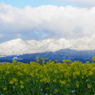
(80, 48)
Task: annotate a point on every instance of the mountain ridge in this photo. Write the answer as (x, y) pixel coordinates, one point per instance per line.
(59, 55)
(19, 46)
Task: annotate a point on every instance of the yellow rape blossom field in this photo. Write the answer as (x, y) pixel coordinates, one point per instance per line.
(47, 78)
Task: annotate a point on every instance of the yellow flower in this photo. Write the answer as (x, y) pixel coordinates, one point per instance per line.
(82, 77)
(5, 88)
(89, 86)
(90, 73)
(55, 71)
(7, 72)
(14, 61)
(69, 80)
(54, 81)
(14, 87)
(56, 90)
(15, 80)
(77, 84)
(63, 82)
(47, 88)
(19, 74)
(87, 61)
(68, 84)
(76, 73)
(66, 61)
(93, 58)
(21, 82)
(16, 83)
(45, 80)
(21, 86)
(11, 82)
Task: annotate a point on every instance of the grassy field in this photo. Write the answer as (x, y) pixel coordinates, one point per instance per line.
(47, 78)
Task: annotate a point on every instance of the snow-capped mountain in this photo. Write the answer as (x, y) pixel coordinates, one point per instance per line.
(19, 46)
(15, 47)
(84, 43)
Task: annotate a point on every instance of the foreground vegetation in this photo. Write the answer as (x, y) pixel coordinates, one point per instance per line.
(47, 78)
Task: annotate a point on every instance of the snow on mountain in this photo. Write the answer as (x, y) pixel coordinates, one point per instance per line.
(50, 46)
(64, 43)
(54, 45)
(85, 43)
(19, 46)
(40, 43)
(15, 47)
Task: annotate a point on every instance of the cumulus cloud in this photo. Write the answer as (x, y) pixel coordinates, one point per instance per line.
(83, 3)
(68, 22)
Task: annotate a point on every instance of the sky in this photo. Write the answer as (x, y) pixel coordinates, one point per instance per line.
(42, 19)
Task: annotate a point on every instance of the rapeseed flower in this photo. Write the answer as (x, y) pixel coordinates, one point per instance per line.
(5, 88)
(21, 86)
(77, 84)
(89, 85)
(34, 76)
(55, 90)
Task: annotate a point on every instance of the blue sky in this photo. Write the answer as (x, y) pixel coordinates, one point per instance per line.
(41, 19)
(34, 3)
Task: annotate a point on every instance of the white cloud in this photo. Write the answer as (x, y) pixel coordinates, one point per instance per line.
(83, 3)
(68, 22)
